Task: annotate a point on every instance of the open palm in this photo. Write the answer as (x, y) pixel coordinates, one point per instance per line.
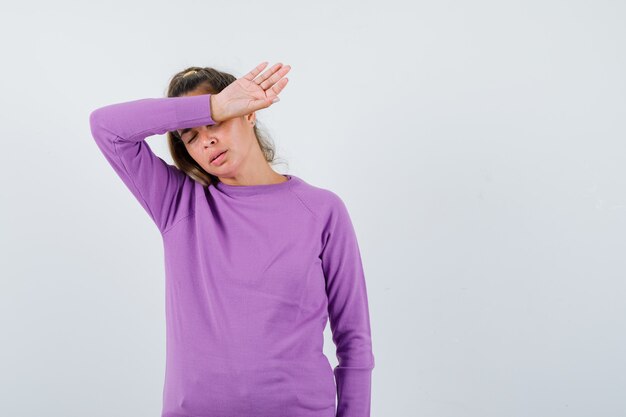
(248, 93)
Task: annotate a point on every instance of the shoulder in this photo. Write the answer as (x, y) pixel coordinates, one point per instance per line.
(323, 202)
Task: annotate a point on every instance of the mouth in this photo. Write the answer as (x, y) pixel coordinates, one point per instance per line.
(217, 157)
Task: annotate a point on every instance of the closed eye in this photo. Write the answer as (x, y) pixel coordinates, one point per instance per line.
(208, 126)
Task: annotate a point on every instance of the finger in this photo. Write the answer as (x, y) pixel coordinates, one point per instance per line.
(273, 92)
(275, 78)
(250, 76)
(268, 73)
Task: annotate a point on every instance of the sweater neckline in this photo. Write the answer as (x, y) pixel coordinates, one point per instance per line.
(243, 190)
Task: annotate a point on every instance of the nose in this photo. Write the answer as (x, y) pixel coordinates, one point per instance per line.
(207, 135)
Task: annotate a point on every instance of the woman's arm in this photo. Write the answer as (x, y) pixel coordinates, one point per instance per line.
(348, 313)
(119, 131)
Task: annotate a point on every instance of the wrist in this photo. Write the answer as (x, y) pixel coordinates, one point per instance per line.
(214, 108)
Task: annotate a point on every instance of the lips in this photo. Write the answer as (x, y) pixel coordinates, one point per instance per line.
(216, 156)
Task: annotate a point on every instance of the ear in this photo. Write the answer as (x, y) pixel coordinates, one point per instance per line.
(251, 118)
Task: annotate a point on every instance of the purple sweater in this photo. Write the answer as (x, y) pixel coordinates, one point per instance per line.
(252, 275)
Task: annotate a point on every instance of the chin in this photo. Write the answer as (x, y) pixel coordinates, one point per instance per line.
(220, 171)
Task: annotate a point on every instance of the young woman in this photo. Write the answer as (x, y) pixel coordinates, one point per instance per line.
(256, 262)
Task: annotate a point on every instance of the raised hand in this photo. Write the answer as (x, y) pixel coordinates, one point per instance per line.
(248, 94)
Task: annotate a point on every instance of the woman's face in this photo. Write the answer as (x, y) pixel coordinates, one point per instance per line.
(233, 137)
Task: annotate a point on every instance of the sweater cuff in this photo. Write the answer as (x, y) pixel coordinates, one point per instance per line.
(354, 387)
(194, 108)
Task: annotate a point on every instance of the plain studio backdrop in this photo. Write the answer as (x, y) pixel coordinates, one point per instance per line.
(479, 147)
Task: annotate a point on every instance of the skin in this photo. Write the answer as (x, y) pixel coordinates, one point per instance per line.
(244, 162)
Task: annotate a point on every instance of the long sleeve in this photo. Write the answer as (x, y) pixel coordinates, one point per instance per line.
(119, 131)
(348, 314)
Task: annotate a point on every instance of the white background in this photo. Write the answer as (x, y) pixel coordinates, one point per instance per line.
(479, 147)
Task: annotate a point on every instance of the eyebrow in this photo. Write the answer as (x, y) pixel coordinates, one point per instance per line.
(182, 132)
